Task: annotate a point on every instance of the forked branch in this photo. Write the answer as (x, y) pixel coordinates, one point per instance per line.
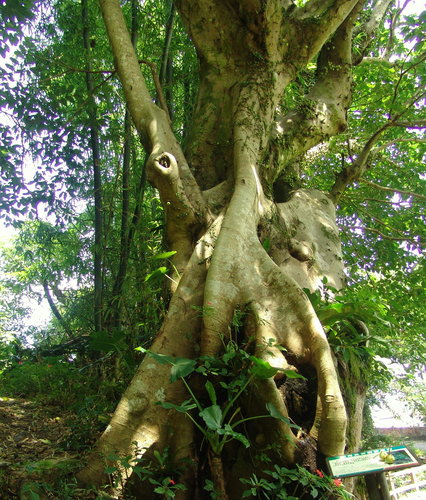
(152, 123)
(323, 111)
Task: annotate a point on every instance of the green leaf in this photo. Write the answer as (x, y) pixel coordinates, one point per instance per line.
(184, 407)
(274, 412)
(212, 416)
(158, 272)
(212, 393)
(262, 369)
(266, 244)
(159, 457)
(165, 255)
(182, 367)
(162, 359)
(292, 374)
(228, 431)
(105, 342)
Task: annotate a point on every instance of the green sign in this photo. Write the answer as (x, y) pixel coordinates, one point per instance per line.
(372, 461)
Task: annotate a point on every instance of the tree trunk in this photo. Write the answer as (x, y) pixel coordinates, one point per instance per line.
(55, 310)
(126, 233)
(238, 248)
(97, 180)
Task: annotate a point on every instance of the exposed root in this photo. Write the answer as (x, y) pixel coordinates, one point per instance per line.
(138, 423)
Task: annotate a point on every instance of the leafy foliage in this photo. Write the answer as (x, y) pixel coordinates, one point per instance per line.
(282, 483)
(237, 369)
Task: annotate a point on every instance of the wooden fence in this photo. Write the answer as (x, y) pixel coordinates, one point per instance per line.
(407, 481)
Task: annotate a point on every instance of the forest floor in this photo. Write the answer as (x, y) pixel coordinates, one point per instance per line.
(33, 463)
(31, 450)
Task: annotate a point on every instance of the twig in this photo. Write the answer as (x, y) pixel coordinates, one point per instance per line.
(158, 88)
(383, 223)
(76, 70)
(391, 143)
(395, 190)
(388, 202)
(416, 124)
(384, 236)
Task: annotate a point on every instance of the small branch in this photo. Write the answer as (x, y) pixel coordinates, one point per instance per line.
(384, 236)
(77, 70)
(378, 60)
(353, 172)
(383, 223)
(395, 141)
(393, 25)
(370, 27)
(395, 190)
(163, 103)
(419, 124)
(388, 202)
(85, 103)
(417, 95)
(55, 310)
(167, 41)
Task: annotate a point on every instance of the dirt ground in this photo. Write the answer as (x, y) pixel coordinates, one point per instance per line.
(30, 437)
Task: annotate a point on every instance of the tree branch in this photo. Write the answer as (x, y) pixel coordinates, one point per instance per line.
(393, 24)
(323, 112)
(158, 88)
(356, 169)
(115, 307)
(97, 178)
(166, 68)
(418, 124)
(395, 141)
(55, 310)
(310, 26)
(384, 236)
(167, 167)
(378, 60)
(370, 27)
(395, 190)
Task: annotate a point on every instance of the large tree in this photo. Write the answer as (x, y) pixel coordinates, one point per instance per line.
(249, 190)
(235, 186)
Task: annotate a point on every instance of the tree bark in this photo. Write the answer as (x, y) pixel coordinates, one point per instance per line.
(126, 233)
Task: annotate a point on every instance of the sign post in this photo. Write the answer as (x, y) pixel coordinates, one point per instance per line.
(373, 464)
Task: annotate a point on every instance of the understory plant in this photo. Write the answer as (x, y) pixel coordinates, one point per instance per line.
(218, 418)
(159, 472)
(293, 484)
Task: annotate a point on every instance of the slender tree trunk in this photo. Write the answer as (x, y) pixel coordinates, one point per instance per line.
(125, 232)
(97, 179)
(166, 70)
(55, 310)
(218, 476)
